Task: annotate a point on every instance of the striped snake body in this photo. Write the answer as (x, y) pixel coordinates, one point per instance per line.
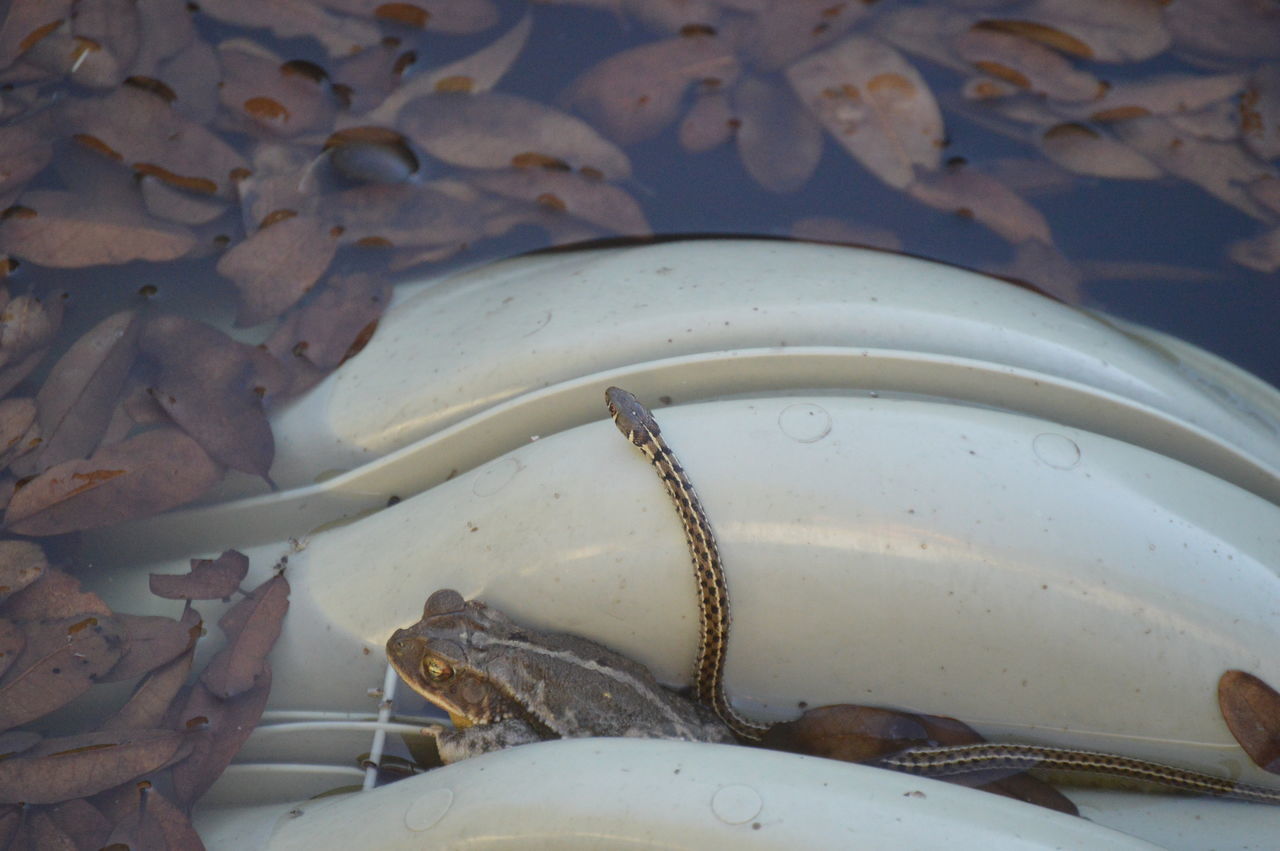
(638, 424)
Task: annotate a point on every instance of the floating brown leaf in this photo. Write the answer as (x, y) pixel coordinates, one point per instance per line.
(276, 266)
(152, 641)
(875, 104)
(252, 627)
(21, 563)
(53, 595)
(209, 579)
(213, 387)
(76, 766)
(985, 199)
(152, 822)
(635, 94)
(79, 395)
(141, 476)
(778, 140)
(61, 660)
(62, 230)
(153, 697)
(1251, 709)
(226, 724)
(491, 130)
(601, 204)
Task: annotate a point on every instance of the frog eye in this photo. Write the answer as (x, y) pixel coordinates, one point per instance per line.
(436, 669)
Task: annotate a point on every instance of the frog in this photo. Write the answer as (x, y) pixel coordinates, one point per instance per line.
(506, 685)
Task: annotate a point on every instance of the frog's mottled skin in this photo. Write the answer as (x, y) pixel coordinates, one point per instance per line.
(516, 685)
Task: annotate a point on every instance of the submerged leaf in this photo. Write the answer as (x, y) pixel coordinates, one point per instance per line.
(152, 641)
(71, 824)
(61, 660)
(252, 627)
(1251, 709)
(226, 726)
(53, 595)
(152, 822)
(12, 640)
(779, 141)
(985, 199)
(209, 579)
(76, 766)
(213, 387)
(277, 265)
(601, 204)
(141, 476)
(154, 694)
(21, 563)
(874, 104)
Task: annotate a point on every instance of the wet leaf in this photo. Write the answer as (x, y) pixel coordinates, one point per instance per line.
(340, 35)
(492, 130)
(635, 94)
(153, 822)
(63, 230)
(848, 732)
(79, 395)
(335, 325)
(778, 140)
(1105, 30)
(28, 324)
(24, 152)
(21, 563)
(267, 96)
(209, 579)
(785, 31)
(153, 697)
(602, 204)
(252, 627)
(985, 199)
(108, 33)
(1084, 150)
(1225, 28)
(152, 641)
(227, 724)
(25, 22)
(1262, 253)
(53, 595)
(144, 132)
(709, 123)
(76, 766)
(12, 640)
(1220, 168)
(1027, 65)
(1163, 95)
(61, 660)
(70, 825)
(1251, 709)
(875, 105)
(17, 741)
(165, 201)
(1260, 112)
(17, 416)
(277, 265)
(138, 477)
(209, 385)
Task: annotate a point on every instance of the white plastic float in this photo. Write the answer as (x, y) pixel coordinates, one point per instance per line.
(933, 491)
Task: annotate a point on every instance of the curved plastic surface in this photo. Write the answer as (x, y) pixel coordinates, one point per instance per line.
(668, 795)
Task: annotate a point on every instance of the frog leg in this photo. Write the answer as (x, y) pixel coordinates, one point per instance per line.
(456, 743)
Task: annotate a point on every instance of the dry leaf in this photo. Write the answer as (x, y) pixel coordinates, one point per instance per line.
(778, 140)
(252, 627)
(1251, 709)
(209, 579)
(213, 387)
(277, 265)
(493, 130)
(61, 660)
(76, 766)
(53, 595)
(21, 563)
(635, 94)
(875, 105)
(219, 728)
(138, 477)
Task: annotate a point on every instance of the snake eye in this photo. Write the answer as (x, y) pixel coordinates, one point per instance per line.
(436, 669)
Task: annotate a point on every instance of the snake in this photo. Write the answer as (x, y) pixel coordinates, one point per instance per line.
(638, 425)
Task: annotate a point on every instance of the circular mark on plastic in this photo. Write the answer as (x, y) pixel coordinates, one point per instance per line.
(424, 813)
(736, 804)
(494, 477)
(1056, 450)
(805, 422)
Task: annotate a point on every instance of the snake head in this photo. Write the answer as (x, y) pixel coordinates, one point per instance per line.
(632, 418)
